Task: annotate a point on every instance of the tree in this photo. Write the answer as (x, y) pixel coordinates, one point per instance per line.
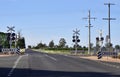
(51, 44)
(21, 43)
(62, 43)
(3, 40)
(41, 45)
(117, 47)
(29, 46)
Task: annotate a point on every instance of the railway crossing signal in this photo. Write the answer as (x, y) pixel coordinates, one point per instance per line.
(99, 41)
(76, 39)
(10, 35)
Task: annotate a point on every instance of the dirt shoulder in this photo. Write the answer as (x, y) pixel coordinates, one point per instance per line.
(4, 55)
(107, 59)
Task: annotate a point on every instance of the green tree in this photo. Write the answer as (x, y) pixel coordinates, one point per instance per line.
(51, 44)
(41, 45)
(62, 43)
(29, 46)
(3, 40)
(117, 47)
(21, 43)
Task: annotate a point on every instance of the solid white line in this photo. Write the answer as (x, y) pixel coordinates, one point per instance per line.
(15, 64)
(51, 57)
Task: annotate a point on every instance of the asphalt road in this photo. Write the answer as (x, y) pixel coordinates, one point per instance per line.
(37, 64)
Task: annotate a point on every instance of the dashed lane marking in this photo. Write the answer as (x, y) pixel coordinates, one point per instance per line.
(13, 68)
(51, 57)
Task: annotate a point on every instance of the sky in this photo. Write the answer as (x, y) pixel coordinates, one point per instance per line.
(46, 20)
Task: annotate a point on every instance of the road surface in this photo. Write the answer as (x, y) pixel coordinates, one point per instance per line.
(38, 64)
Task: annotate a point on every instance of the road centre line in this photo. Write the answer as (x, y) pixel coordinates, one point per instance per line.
(15, 64)
(51, 57)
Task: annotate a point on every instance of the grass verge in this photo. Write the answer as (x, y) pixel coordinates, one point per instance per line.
(54, 51)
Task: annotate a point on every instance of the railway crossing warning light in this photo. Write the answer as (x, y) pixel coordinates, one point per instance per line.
(13, 36)
(8, 36)
(97, 40)
(76, 39)
(102, 38)
(73, 39)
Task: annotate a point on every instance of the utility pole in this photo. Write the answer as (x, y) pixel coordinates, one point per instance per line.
(89, 30)
(109, 19)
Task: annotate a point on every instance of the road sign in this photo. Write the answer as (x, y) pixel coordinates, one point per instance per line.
(107, 53)
(99, 54)
(11, 50)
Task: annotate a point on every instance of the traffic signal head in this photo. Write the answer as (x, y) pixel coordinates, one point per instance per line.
(13, 36)
(73, 37)
(102, 38)
(97, 38)
(8, 36)
(110, 44)
(78, 40)
(73, 40)
(77, 37)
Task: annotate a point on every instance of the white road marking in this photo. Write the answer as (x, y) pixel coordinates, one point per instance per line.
(15, 64)
(26, 55)
(110, 65)
(66, 55)
(51, 57)
(117, 67)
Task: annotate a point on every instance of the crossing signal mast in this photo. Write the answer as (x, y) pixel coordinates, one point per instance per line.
(76, 39)
(99, 41)
(11, 36)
